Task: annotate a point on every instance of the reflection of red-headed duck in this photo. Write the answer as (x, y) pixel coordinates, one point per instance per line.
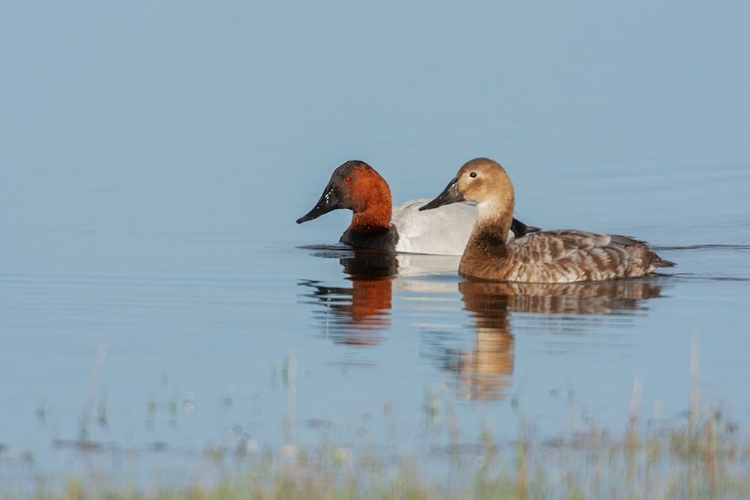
(377, 225)
(563, 256)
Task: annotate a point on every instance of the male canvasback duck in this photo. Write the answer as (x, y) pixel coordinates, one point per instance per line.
(377, 225)
(562, 256)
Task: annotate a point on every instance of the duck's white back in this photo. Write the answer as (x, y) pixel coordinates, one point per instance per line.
(442, 231)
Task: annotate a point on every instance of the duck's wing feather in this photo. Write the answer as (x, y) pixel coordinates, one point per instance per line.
(551, 246)
(571, 255)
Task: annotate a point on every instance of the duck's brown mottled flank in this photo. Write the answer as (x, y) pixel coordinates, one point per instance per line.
(563, 256)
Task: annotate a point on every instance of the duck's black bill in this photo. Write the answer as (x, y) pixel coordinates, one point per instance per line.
(449, 195)
(328, 202)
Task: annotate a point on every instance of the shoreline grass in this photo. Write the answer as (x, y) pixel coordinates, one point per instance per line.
(704, 457)
(703, 454)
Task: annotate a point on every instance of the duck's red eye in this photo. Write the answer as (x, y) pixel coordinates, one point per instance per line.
(348, 178)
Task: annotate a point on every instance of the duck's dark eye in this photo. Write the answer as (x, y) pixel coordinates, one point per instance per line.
(473, 174)
(348, 178)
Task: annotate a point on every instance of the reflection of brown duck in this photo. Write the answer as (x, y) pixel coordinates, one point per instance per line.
(486, 371)
(601, 297)
(357, 315)
(361, 311)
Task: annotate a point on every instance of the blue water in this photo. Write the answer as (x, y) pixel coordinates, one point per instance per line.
(154, 298)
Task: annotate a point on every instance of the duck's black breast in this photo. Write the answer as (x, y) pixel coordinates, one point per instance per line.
(375, 239)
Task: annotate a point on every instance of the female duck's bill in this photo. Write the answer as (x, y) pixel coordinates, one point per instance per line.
(562, 256)
(376, 224)
(449, 195)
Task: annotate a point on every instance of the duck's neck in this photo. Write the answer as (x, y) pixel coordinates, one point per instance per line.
(373, 220)
(373, 213)
(487, 247)
(488, 239)
(494, 219)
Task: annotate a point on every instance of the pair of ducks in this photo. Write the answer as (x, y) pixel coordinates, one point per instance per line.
(493, 244)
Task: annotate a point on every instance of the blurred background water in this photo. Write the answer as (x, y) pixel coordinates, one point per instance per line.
(154, 158)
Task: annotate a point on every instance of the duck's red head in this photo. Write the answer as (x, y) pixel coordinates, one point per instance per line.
(355, 185)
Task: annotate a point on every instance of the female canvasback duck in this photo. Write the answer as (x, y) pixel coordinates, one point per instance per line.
(377, 225)
(563, 256)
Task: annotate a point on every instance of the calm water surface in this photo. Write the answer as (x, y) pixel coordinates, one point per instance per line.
(160, 309)
(157, 344)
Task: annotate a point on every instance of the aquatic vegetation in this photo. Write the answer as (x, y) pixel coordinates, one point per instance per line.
(706, 456)
(698, 454)
(701, 453)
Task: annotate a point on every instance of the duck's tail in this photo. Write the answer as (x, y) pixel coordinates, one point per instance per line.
(657, 261)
